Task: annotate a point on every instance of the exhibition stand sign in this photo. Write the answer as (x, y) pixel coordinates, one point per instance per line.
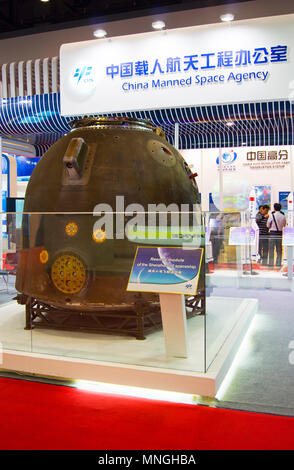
(170, 270)
(288, 236)
(267, 170)
(246, 61)
(242, 236)
(283, 200)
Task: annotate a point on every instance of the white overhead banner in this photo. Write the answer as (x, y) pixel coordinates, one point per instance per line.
(246, 61)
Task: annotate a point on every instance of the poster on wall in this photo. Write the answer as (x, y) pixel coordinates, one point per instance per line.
(263, 196)
(283, 200)
(25, 167)
(166, 270)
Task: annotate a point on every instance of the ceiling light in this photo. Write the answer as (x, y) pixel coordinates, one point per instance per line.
(230, 123)
(227, 17)
(45, 1)
(158, 24)
(100, 33)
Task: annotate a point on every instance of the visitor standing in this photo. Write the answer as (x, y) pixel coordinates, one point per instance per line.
(276, 222)
(261, 220)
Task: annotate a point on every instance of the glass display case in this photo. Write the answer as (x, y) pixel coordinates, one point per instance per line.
(66, 287)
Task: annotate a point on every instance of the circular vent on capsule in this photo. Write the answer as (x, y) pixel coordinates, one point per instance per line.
(68, 274)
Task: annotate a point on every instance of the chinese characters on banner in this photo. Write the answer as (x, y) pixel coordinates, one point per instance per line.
(267, 155)
(209, 60)
(267, 159)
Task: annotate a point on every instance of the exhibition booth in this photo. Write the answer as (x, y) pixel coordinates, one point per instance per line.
(116, 341)
(131, 254)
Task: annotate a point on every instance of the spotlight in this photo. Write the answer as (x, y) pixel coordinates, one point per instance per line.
(227, 17)
(230, 123)
(71, 229)
(44, 256)
(100, 33)
(99, 236)
(45, 1)
(158, 24)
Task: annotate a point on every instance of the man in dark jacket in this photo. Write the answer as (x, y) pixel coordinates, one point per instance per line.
(261, 220)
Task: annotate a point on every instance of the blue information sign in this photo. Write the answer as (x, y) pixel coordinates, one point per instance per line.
(166, 270)
(283, 200)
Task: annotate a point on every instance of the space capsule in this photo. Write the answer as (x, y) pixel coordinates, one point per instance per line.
(63, 261)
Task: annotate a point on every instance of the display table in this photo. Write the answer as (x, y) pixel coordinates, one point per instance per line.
(124, 360)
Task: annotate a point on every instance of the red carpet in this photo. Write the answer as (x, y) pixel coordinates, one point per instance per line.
(41, 416)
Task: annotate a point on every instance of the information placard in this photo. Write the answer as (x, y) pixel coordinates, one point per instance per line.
(288, 236)
(166, 270)
(240, 236)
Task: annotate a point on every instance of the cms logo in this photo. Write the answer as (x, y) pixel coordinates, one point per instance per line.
(228, 157)
(83, 74)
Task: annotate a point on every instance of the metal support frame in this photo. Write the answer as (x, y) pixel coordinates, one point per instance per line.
(136, 319)
(129, 320)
